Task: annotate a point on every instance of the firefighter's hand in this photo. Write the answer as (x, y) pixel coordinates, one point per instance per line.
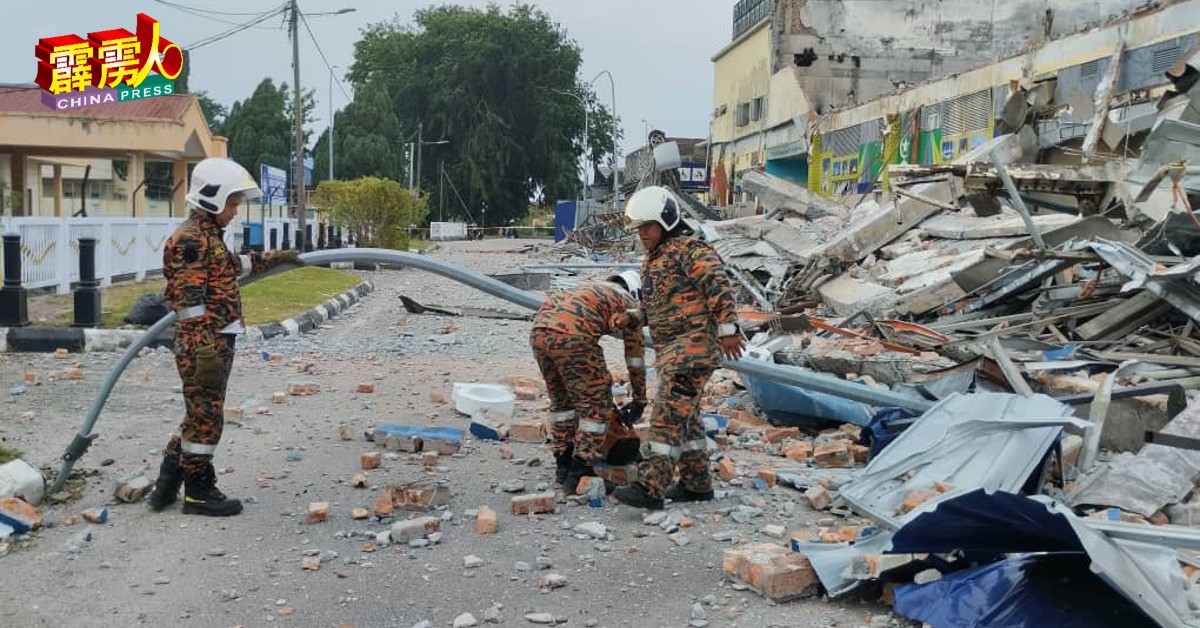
(622, 320)
(208, 366)
(632, 412)
(732, 346)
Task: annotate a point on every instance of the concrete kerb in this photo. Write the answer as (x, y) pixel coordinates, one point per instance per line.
(77, 340)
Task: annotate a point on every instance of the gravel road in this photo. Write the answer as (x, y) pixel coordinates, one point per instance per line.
(167, 569)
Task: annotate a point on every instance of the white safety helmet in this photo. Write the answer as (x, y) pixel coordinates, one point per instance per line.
(653, 204)
(631, 281)
(214, 179)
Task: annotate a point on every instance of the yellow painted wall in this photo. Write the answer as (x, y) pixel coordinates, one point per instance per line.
(741, 73)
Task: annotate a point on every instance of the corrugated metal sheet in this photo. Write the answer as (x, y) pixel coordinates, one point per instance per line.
(28, 101)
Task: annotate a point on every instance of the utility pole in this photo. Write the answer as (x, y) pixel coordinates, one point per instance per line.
(417, 189)
(441, 191)
(298, 130)
(331, 122)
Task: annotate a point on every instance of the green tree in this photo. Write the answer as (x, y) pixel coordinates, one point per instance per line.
(259, 128)
(498, 85)
(376, 211)
(214, 112)
(367, 138)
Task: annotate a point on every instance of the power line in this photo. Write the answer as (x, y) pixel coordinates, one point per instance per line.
(181, 6)
(237, 29)
(192, 11)
(326, 61)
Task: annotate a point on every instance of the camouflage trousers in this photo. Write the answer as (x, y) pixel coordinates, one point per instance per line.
(676, 431)
(580, 389)
(204, 403)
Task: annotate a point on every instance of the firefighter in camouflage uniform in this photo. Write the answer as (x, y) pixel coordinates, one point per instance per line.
(688, 304)
(585, 424)
(202, 288)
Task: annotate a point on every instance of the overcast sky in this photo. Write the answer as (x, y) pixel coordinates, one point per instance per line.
(658, 51)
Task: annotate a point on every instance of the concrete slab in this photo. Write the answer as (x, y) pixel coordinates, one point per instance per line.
(845, 295)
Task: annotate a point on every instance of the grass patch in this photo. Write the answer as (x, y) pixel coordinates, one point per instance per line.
(285, 295)
(7, 454)
(115, 301)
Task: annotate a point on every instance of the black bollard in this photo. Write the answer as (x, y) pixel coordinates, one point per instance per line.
(245, 239)
(87, 293)
(286, 244)
(308, 238)
(274, 239)
(14, 307)
(321, 237)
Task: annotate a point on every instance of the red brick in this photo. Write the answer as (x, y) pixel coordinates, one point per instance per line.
(371, 459)
(772, 571)
(318, 512)
(833, 455)
(279, 397)
(359, 513)
(798, 450)
(526, 392)
(849, 534)
(430, 459)
(860, 454)
(818, 497)
(295, 389)
(537, 503)
(31, 379)
(234, 413)
(725, 469)
(735, 427)
(914, 499)
(133, 489)
(768, 475)
(384, 505)
(359, 481)
(310, 563)
(365, 387)
(780, 434)
(486, 522)
(345, 432)
(584, 483)
(60, 353)
(75, 373)
(420, 495)
(526, 432)
(437, 396)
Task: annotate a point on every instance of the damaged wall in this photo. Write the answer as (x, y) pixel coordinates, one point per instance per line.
(852, 51)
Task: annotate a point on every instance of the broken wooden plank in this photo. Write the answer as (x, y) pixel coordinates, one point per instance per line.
(1152, 358)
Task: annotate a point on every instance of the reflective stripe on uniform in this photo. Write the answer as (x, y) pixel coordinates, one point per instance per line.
(562, 417)
(197, 448)
(247, 265)
(635, 363)
(195, 311)
(593, 427)
(727, 329)
(663, 449)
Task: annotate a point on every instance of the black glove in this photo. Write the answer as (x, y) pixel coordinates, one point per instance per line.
(289, 256)
(632, 412)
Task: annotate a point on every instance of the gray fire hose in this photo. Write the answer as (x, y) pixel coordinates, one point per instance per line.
(790, 375)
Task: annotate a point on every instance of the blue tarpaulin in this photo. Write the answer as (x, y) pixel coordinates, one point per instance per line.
(790, 405)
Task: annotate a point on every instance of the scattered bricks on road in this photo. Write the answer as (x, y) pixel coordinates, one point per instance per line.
(443, 447)
(60, 353)
(420, 495)
(234, 413)
(408, 444)
(835, 455)
(437, 396)
(279, 397)
(345, 432)
(860, 454)
(359, 481)
(780, 434)
(95, 515)
(914, 499)
(75, 373)
(526, 432)
(849, 534)
(384, 504)
(486, 522)
(536, 503)
(526, 393)
(430, 459)
(798, 450)
(298, 389)
(310, 563)
(772, 571)
(411, 529)
(365, 387)
(318, 512)
(19, 515)
(725, 469)
(735, 427)
(818, 497)
(371, 459)
(359, 513)
(768, 475)
(31, 379)
(133, 489)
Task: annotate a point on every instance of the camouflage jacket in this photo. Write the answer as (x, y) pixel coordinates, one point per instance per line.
(687, 301)
(586, 310)
(202, 277)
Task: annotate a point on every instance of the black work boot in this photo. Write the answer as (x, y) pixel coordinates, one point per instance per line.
(677, 493)
(201, 497)
(636, 496)
(576, 472)
(166, 487)
(562, 465)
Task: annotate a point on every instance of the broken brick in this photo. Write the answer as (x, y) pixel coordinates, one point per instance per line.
(818, 497)
(942, 487)
(780, 434)
(384, 505)
(133, 489)
(318, 512)
(346, 432)
(359, 513)
(725, 469)
(60, 353)
(584, 482)
(75, 373)
(536, 503)
(279, 397)
(525, 392)
(526, 432)
(437, 396)
(409, 444)
(849, 534)
(486, 522)
(371, 459)
(772, 571)
(768, 475)
(914, 499)
(31, 379)
(429, 459)
(303, 389)
(833, 455)
(444, 447)
(310, 563)
(412, 529)
(359, 481)
(420, 495)
(234, 413)
(365, 387)
(860, 454)
(798, 450)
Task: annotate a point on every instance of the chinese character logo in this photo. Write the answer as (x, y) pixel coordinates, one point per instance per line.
(109, 65)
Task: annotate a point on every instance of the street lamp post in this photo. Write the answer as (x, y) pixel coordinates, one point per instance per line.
(616, 147)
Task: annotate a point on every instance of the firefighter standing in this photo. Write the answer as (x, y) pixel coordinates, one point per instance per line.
(202, 288)
(565, 341)
(688, 303)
